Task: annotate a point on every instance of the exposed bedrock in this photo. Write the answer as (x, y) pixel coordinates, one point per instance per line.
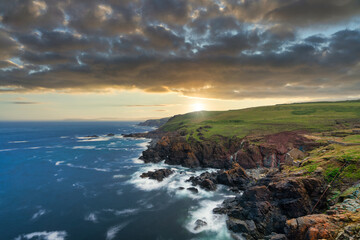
(268, 151)
(158, 174)
(236, 178)
(264, 208)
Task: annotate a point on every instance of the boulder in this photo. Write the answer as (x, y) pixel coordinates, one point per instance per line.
(199, 224)
(208, 185)
(158, 174)
(193, 189)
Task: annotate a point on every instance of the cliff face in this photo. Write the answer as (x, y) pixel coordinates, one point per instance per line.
(176, 150)
(267, 151)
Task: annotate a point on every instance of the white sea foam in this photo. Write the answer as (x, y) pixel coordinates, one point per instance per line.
(129, 211)
(18, 141)
(58, 163)
(214, 222)
(38, 214)
(55, 235)
(137, 161)
(87, 168)
(94, 139)
(64, 137)
(8, 149)
(119, 176)
(143, 145)
(84, 147)
(172, 183)
(112, 231)
(33, 148)
(91, 217)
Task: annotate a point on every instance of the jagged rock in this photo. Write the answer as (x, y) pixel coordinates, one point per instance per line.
(341, 223)
(158, 174)
(206, 181)
(235, 177)
(270, 202)
(276, 236)
(208, 185)
(199, 224)
(110, 135)
(221, 153)
(193, 189)
(238, 225)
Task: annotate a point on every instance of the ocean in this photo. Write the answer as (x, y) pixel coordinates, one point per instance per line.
(56, 183)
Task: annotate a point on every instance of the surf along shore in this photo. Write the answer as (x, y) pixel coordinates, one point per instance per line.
(294, 168)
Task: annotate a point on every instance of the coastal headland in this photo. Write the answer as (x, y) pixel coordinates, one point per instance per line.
(294, 167)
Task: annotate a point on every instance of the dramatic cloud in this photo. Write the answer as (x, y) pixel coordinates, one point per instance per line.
(225, 49)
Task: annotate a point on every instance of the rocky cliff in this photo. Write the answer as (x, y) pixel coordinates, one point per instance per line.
(221, 152)
(276, 203)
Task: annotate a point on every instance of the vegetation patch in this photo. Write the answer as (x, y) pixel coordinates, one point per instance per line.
(313, 117)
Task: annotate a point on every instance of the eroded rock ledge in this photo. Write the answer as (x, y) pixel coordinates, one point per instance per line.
(221, 152)
(274, 204)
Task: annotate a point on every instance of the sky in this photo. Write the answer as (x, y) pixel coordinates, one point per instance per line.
(140, 59)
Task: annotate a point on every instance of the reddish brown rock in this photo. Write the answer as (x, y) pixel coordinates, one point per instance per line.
(271, 202)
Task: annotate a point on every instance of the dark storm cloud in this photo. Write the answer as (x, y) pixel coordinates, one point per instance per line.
(27, 14)
(169, 11)
(8, 46)
(58, 41)
(294, 12)
(220, 49)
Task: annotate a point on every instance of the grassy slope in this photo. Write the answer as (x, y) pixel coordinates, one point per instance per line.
(316, 117)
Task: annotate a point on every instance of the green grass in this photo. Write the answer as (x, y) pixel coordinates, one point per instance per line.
(331, 159)
(314, 117)
(352, 139)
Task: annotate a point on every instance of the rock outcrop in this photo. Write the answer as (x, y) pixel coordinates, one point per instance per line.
(269, 151)
(265, 207)
(341, 222)
(158, 174)
(236, 178)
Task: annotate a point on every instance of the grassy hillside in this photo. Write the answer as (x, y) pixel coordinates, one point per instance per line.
(316, 117)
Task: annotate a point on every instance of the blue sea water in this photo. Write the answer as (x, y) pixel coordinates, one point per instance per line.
(55, 183)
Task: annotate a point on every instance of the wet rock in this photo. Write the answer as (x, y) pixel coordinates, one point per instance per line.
(199, 224)
(110, 135)
(208, 185)
(264, 208)
(276, 236)
(193, 189)
(238, 225)
(181, 188)
(158, 174)
(235, 177)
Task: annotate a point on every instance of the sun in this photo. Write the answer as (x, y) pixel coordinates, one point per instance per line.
(195, 107)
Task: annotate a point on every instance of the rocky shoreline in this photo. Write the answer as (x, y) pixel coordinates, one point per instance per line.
(271, 203)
